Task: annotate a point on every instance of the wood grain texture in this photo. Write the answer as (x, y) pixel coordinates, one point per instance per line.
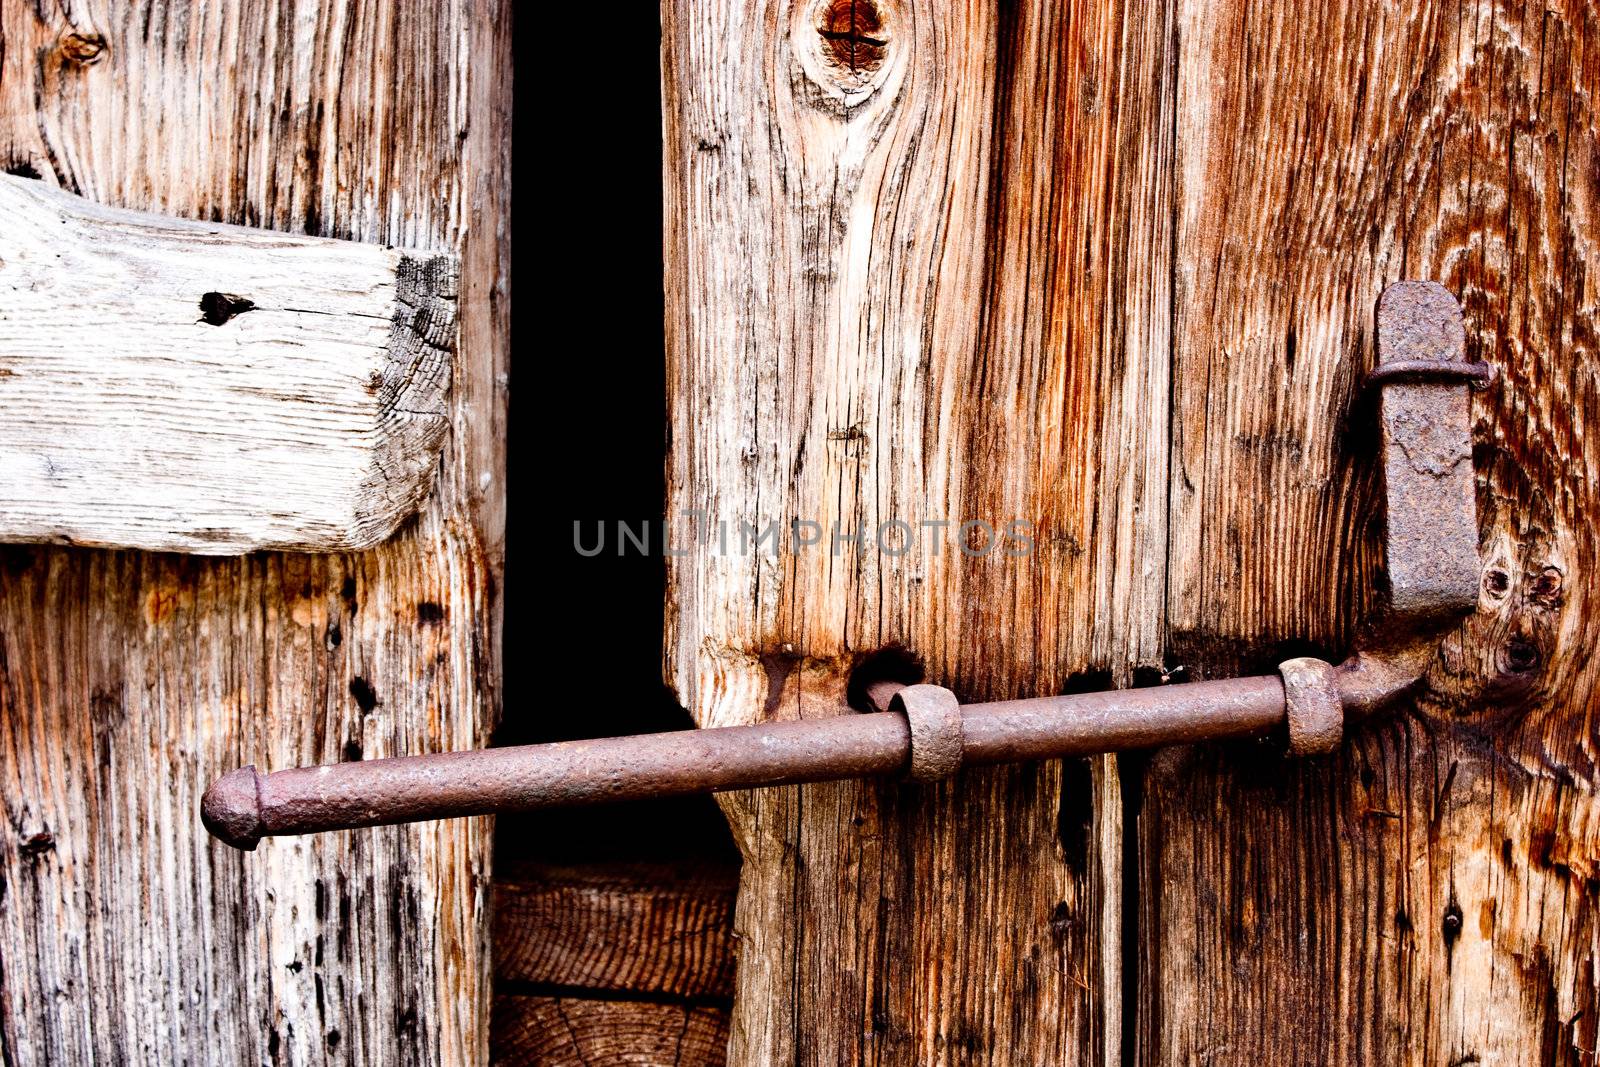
(575, 1032)
(891, 302)
(630, 929)
(128, 681)
(1426, 896)
(614, 963)
(194, 387)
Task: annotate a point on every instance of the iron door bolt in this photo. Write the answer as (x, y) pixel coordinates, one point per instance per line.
(921, 731)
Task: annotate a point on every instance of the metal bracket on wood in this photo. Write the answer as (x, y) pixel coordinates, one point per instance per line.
(1430, 497)
(923, 732)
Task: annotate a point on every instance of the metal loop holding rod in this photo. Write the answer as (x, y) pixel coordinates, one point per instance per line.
(1423, 371)
(938, 740)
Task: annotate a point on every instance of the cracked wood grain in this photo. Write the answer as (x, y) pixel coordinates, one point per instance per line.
(195, 387)
(1426, 895)
(580, 1032)
(613, 963)
(890, 301)
(635, 929)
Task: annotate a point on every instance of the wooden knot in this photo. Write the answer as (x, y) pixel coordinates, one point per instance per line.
(1526, 604)
(855, 40)
(847, 48)
(1493, 670)
(83, 48)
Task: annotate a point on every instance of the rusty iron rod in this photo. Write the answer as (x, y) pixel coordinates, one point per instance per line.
(244, 806)
(1431, 557)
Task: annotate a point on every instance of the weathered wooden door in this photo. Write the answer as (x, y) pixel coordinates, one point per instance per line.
(129, 680)
(1109, 269)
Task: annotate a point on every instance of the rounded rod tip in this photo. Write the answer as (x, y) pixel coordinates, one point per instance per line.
(231, 808)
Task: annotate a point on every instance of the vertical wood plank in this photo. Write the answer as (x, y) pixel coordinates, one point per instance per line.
(918, 257)
(128, 681)
(1425, 896)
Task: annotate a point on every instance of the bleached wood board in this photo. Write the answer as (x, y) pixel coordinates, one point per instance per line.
(196, 387)
(128, 680)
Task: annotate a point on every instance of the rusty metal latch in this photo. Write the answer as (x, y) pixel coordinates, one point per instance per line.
(922, 732)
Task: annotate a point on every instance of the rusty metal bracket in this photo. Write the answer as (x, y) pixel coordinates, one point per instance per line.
(1431, 541)
(924, 733)
(1430, 496)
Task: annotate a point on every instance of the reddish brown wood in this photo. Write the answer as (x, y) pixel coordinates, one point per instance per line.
(575, 1032)
(1425, 896)
(931, 288)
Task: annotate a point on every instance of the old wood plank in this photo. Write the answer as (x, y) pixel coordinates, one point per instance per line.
(196, 387)
(1426, 896)
(576, 1032)
(128, 681)
(918, 257)
(635, 928)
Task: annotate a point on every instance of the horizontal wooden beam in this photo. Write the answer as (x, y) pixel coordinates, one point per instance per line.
(614, 963)
(629, 929)
(195, 387)
(569, 1032)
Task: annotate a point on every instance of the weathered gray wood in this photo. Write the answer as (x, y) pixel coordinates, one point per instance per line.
(129, 680)
(918, 259)
(195, 387)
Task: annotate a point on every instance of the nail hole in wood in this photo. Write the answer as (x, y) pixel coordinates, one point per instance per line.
(38, 844)
(365, 696)
(892, 663)
(1450, 925)
(218, 308)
